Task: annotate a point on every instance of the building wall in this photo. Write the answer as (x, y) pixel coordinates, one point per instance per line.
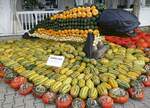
(5, 17)
(144, 16)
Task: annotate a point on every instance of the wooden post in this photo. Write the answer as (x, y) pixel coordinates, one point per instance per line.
(136, 7)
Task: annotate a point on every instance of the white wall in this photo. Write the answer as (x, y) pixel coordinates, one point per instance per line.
(144, 16)
(5, 17)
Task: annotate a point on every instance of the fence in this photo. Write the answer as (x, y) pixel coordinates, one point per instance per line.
(28, 19)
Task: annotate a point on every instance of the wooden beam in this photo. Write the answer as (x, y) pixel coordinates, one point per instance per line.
(136, 7)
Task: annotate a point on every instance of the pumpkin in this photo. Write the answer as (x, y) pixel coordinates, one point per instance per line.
(25, 88)
(1, 67)
(38, 91)
(63, 101)
(136, 93)
(147, 68)
(119, 95)
(147, 52)
(2, 74)
(137, 84)
(91, 103)
(9, 77)
(49, 98)
(105, 102)
(78, 103)
(145, 80)
(7, 70)
(1, 70)
(17, 82)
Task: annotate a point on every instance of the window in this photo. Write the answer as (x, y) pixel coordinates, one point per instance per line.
(147, 3)
(83, 2)
(51, 3)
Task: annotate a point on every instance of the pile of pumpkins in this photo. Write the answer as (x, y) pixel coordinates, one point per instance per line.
(81, 82)
(73, 24)
(141, 40)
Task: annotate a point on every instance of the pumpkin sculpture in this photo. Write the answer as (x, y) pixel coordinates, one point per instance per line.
(70, 25)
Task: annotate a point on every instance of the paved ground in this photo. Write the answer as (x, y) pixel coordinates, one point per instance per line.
(11, 99)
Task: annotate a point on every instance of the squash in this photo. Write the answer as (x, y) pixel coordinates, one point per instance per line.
(17, 82)
(63, 101)
(39, 91)
(49, 97)
(25, 88)
(78, 103)
(91, 103)
(119, 95)
(105, 102)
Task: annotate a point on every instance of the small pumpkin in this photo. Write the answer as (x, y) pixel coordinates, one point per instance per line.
(63, 101)
(25, 88)
(147, 52)
(145, 80)
(106, 102)
(78, 103)
(17, 82)
(147, 68)
(7, 70)
(9, 77)
(2, 74)
(49, 97)
(1, 66)
(137, 84)
(136, 93)
(119, 95)
(91, 103)
(38, 91)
